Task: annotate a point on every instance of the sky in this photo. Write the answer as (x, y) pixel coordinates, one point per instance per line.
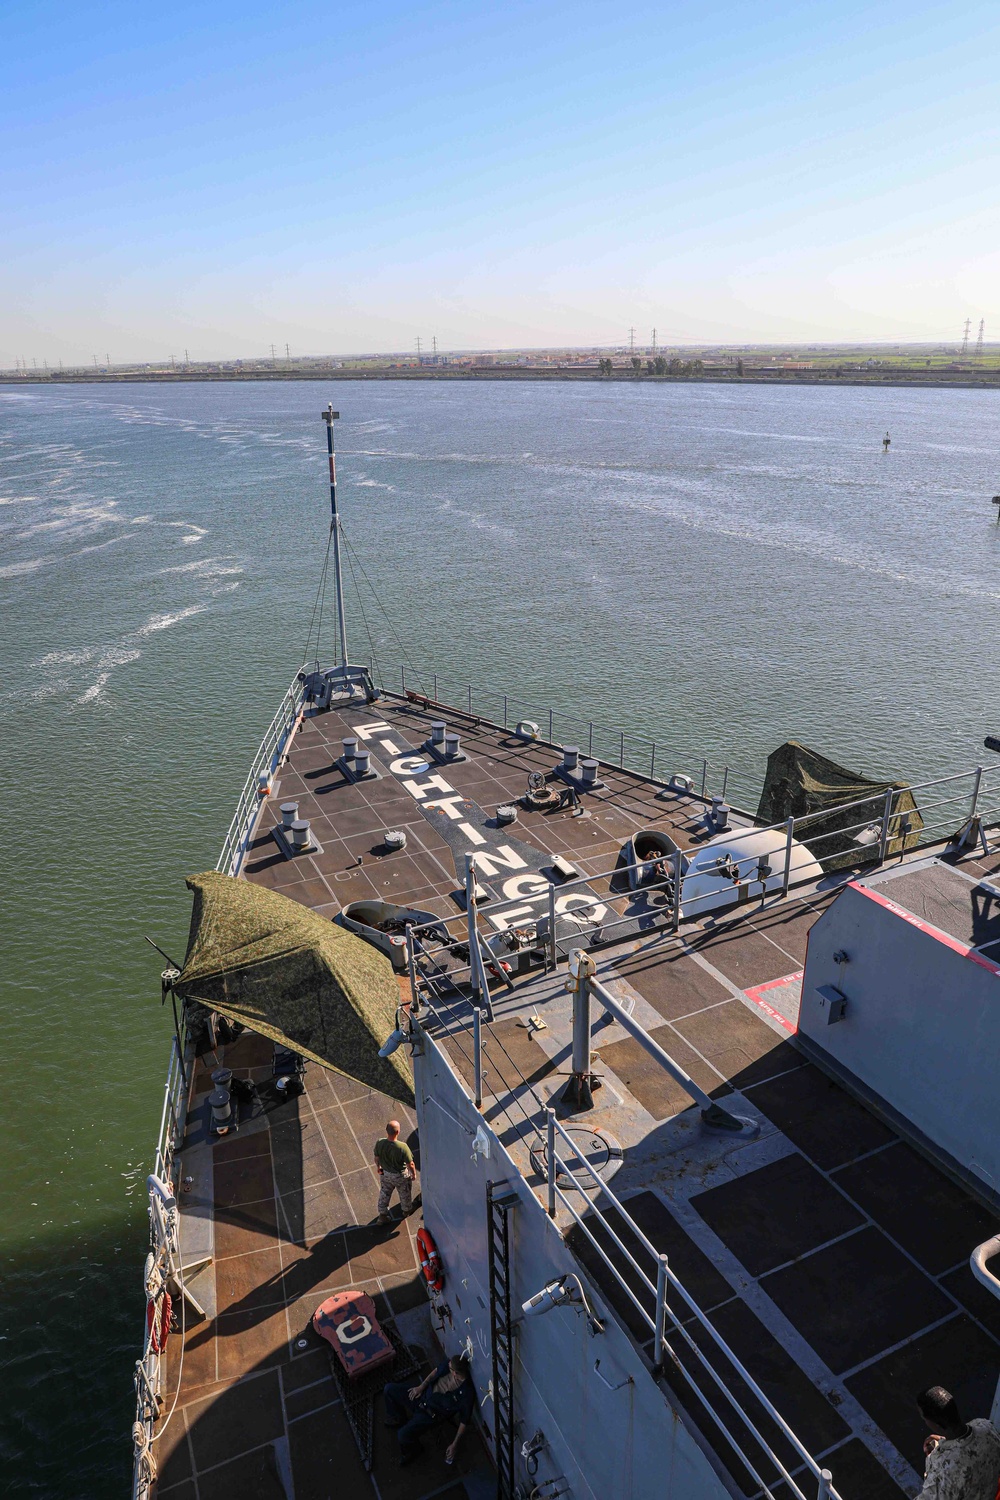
(349, 177)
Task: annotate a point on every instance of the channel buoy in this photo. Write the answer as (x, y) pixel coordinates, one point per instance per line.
(885, 443)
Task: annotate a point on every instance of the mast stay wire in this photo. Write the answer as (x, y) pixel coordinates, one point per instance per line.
(361, 606)
(318, 603)
(402, 649)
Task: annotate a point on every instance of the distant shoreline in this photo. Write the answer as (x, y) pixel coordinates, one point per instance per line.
(963, 381)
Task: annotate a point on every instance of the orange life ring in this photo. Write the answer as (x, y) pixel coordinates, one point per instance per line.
(430, 1260)
(159, 1327)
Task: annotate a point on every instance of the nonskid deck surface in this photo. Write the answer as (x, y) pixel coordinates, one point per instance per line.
(291, 1200)
(831, 1257)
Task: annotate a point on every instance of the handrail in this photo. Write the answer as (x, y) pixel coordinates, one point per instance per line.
(554, 1163)
(148, 1372)
(268, 758)
(977, 1264)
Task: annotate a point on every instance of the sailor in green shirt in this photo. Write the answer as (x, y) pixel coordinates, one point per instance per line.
(394, 1161)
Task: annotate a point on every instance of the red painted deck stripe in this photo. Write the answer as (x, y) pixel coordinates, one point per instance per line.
(757, 992)
(928, 927)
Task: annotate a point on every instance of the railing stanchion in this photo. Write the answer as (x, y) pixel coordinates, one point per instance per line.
(505, 710)
(590, 739)
(976, 779)
(621, 750)
(825, 1481)
(725, 780)
(704, 776)
(553, 950)
(678, 877)
(477, 1051)
(411, 966)
(435, 687)
(883, 841)
(550, 1116)
(652, 761)
(470, 700)
(550, 726)
(789, 838)
(660, 1336)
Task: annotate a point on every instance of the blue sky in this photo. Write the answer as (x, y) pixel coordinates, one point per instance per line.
(348, 177)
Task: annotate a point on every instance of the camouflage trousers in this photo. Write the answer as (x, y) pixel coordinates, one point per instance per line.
(397, 1182)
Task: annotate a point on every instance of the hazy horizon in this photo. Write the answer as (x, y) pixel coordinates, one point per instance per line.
(533, 176)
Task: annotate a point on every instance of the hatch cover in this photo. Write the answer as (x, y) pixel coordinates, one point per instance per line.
(598, 1147)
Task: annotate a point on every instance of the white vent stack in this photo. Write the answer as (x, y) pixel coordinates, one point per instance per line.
(395, 839)
(571, 757)
(438, 730)
(300, 834)
(363, 761)
(720, 814)
(588, 772)
(289, 813)
(350, 748)
(452, 743)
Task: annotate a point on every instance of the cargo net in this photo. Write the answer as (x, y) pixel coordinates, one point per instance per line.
(359, 1395)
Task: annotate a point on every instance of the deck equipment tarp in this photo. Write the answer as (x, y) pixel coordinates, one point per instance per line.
(800, 781)
(292, 975)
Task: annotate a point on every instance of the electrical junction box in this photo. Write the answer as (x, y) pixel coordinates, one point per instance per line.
(832, 1003)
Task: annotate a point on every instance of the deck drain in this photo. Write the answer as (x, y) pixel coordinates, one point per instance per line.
(599, 1149)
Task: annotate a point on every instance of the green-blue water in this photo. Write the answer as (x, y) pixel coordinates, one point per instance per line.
(721, 567)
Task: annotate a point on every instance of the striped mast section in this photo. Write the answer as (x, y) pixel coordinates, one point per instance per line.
(329, 417)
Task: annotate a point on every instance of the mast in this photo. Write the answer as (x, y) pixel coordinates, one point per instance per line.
(329, 417)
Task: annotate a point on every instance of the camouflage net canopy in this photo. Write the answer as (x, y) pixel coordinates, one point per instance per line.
(296, 977)
(800, 781)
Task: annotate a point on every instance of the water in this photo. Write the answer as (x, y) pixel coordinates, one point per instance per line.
(722, 567)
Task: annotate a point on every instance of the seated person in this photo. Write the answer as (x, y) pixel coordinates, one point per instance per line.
(448, 1391)
(963, 1458)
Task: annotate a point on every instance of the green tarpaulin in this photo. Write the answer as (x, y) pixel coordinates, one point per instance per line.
(800, 781)
(296, 977)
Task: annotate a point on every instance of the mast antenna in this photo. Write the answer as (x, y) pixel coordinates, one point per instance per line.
(329, 417)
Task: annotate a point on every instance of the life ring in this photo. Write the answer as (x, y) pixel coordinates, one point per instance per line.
(159, 1327)
(430, 1260)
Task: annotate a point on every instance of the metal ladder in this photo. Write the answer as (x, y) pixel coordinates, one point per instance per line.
(500, 1202)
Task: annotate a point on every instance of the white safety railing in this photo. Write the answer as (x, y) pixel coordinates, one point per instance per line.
(659, 1280)
(979, 1263)
(891, 830)
(149, 1369)
(267, 761)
